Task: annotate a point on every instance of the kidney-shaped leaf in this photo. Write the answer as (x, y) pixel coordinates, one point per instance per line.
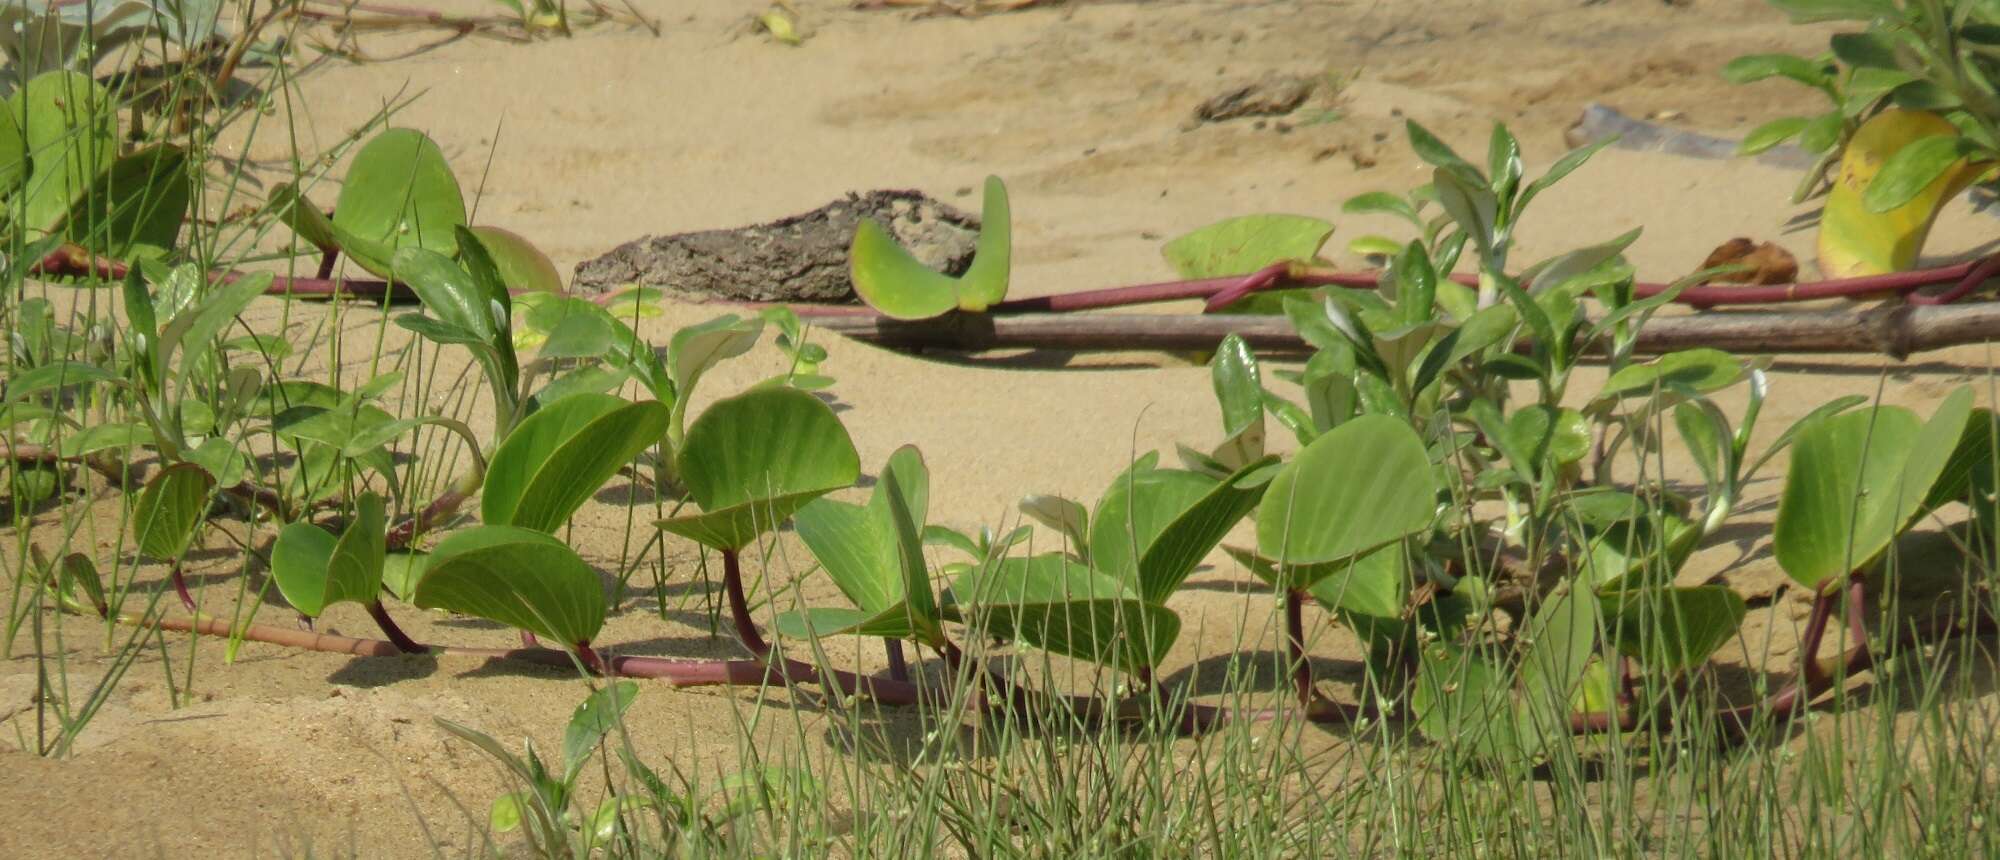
(169, 509)
(552, 463)
(874, 553)
(1245, 244)
(399, 193)
(1357, 487)
(1053, 603)
(521, 265)
(751, 460)
(1673, 628)
(314, 570)
(518, 577)
(1173, 520)
(1856, 481)
(901, 286)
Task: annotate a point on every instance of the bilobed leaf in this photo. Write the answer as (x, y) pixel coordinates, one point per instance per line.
(1055, 604)
(874, 553)
(399, 193)
(1462, 698)
(698, 348)
(751, 460)
(985, 280)
(1357, 487)
(1561, 637)
(518, 577)
(556, 459)
(895, 283)
(1673, 628)
(1244, 244)
(1171, 555)
(521, 265)
(1063, 515)
(291, 206)
(135, 207)
(169, 509)
(314, 570)
(1856, 481)
(71, 131)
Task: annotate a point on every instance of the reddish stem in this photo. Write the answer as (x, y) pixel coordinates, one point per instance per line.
(401, 640)
(1295, 648)
(1987, 268)
(181, 587)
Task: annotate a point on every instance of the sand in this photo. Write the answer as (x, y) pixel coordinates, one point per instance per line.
(612, 134)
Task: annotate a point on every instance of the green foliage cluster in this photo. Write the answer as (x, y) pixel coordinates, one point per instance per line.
(1449, 468)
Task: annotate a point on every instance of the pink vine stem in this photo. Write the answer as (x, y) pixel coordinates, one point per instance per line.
(1217, 293)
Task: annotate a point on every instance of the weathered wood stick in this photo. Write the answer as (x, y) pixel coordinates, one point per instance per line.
(1896, 329)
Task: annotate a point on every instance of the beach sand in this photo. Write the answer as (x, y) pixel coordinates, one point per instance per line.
(584, 143)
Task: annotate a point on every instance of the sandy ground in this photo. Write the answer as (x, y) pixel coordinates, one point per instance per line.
(614, 134)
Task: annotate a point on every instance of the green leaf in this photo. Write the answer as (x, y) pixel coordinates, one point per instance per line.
(1756, 67)
(448, 291)
(592, 720)
(193, 330)
(1065, 516)
(399, 193)
(1821, 132)
(985, 280)
(314, 571)
(1152, 529)
(518, 577)
(1382, 203)
(1866, 50)
(1239, 390)
(1244, 244)
(1856, 482)
(289, 204)
(71, 131)
(1060, 606)
(1357, 487)
(1813, 11)
(556, 459)
(898, 285)
(401, 571)
(751, 460)
(521, 265)
(170, 509)
(54, 375)
(1435, 153)
(1563, 167)
(1462, 699)
(1561, 639)
(1910, 170)
(105, 437)
(1701, 370)
(1674, 629)
(874, 553)
(1771, 134)
(1375, 585)
(135, 207)
(696, 349)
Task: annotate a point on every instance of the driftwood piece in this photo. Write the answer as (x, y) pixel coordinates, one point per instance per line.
(802, 258)
(1895, 330)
